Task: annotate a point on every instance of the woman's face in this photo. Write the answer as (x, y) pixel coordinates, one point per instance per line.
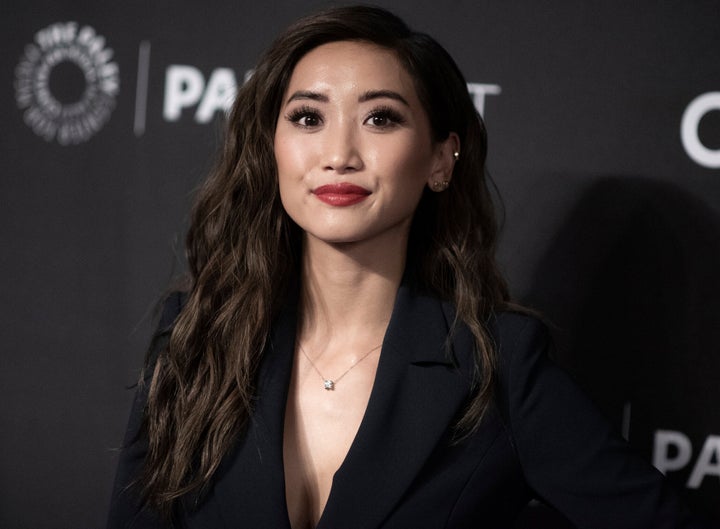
(353, 145)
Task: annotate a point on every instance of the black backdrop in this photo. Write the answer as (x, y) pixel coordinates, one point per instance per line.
(604, 123)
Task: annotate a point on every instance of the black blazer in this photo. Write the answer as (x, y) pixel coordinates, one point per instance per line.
(542, 438)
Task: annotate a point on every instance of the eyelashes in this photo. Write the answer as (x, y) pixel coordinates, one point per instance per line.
(385, 116)
(305, 117)
(382, 117)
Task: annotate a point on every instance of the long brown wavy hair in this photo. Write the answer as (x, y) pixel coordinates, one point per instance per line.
(244, 253)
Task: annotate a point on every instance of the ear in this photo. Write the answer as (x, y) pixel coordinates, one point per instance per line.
(447, 152)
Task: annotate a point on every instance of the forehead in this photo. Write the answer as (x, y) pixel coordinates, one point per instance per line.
(351, 66)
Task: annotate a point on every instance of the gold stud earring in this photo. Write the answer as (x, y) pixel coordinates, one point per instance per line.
(440, 185)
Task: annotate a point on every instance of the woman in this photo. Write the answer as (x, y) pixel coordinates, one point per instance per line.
(345, 355)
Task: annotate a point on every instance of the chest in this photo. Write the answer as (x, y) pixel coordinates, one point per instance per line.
(475, 483)
(320, 426)
(381, 456)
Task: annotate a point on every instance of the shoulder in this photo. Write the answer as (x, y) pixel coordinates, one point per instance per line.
(172, 304)
(522, 352)
(516, 334)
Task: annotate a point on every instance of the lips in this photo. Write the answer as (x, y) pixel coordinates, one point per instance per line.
(342, 194)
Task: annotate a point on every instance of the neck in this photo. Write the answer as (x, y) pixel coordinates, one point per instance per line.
(348, 292)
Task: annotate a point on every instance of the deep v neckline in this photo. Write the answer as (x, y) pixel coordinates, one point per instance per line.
(284, 423)
(403, 423)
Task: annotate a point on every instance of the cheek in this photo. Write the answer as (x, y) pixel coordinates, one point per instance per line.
(407, 172)
(411, 166)
(282, 156)
(288, 192)
(293, 158)
(281, 162)
(289, 163)
(289, 178)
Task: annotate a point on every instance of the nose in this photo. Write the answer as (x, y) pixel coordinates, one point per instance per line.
(342, 149)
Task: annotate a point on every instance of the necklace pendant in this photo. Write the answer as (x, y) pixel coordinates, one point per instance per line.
(329, 384)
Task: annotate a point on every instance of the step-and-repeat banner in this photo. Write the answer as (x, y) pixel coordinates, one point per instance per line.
(604, 126)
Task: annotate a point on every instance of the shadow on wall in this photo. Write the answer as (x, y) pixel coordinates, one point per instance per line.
(630, 286)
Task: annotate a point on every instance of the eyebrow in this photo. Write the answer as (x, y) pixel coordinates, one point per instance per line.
(367, 96)
(378, 94)
(307, 94)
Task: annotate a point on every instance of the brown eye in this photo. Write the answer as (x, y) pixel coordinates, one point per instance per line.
(309, 121)
(305, 117)
(384, 118)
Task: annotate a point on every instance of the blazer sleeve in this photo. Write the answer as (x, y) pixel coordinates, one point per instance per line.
(570, 455)
(126, 509)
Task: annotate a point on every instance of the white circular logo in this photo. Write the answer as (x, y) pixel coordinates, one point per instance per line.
(66, 83)
(695, 111)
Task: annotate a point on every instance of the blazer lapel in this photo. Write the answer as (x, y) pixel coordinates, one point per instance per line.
(417, 395)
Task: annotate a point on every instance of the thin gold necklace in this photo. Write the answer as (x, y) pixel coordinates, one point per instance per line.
(329, 382)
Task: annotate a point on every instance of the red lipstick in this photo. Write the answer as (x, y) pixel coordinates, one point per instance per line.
(342, 194)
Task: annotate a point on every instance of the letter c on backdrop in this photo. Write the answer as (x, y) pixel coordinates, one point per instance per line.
(694, 112)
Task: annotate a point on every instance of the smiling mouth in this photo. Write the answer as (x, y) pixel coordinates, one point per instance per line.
(342, 194)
